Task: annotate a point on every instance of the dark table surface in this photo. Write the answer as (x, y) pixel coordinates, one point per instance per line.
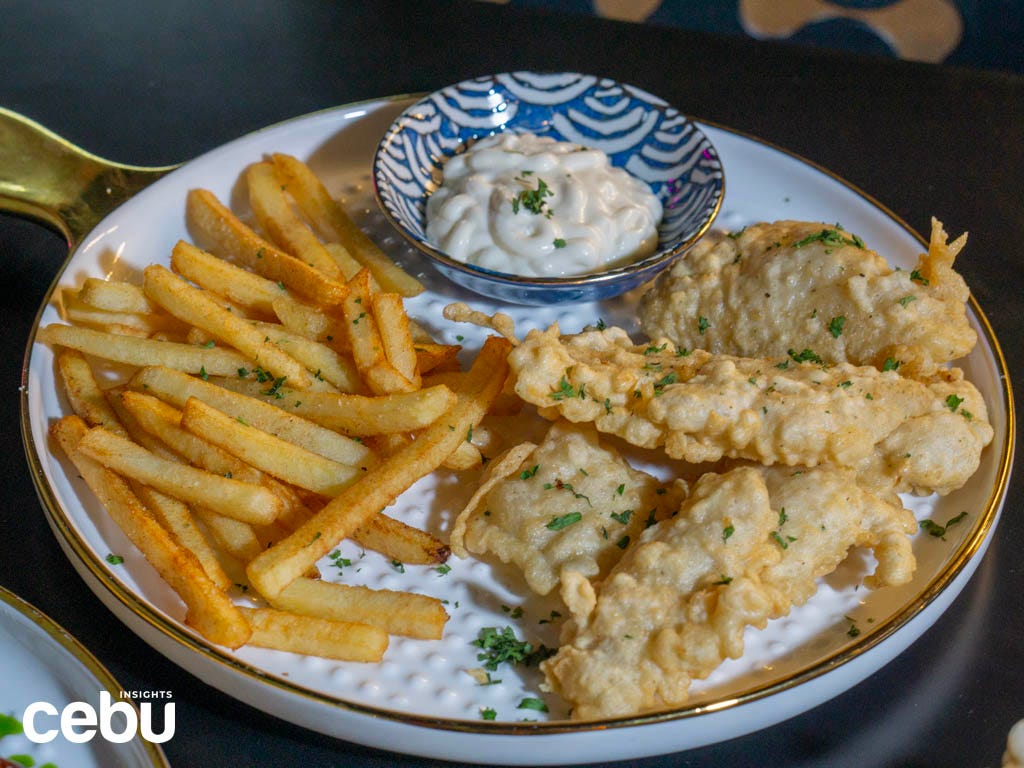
(151, 84)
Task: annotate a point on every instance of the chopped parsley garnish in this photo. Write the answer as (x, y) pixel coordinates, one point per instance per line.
(443, 569)
(623, 516)
(664, 381)
(702, 324)
(835, 326)
(722, 581)
(533, 703)
(398, 565)
(513, 613)
(567, 391)
(891, 364)
(907, 299)
(830, 237)
(262, 375)
(526, 474)
(845, 384)
(939, 531)
(275, 389)
(953, 402)
(620, 489)
(487, 713)
(338, 561)
(533, 199)
(917, 277)
(727, 532)
(558, 242)
(782, 541)
(854, 630)
(806, 356)
(623, 542)
(563, 521)
(653, 350)
(203, 374)
(114, 559)
(562, 486)
(501, 645)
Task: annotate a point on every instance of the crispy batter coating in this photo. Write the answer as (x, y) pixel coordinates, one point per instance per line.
(899, 433)
(804, 285)
(569, 504)
(745, 547)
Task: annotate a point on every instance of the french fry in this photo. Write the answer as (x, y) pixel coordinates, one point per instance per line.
(398, 541)
(354, 414)
(312, 323)
(368, 348)
(219, 231)
(224, 278)
(209, 610)
(322, 361)
(194, 307)
(397, 613)
(393, 325)
(172, 513)
(77, 311)
(333, 224)
(232, 498)
(236, 538)
(343, 640)
(114, 296)
(430, 356)
(84, 394)
(214, 361)
(177, 388)
(277, 219)
(277, 567)
(283, 460)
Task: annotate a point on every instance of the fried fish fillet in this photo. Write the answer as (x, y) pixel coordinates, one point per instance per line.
(801, 285)
(569, 504)
(899, 433)
(744, 548)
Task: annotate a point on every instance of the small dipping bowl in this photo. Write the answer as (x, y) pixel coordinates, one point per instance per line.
(640, 133)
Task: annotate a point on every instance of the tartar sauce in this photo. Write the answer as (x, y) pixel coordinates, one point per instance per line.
(529, 205)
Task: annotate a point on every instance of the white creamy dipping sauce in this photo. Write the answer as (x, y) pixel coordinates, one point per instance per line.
(529, 205)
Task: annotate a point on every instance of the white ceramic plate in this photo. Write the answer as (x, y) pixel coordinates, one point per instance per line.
(420, 700)
(40, 662)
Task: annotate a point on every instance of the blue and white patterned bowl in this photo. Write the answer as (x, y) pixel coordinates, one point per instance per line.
(638, 131)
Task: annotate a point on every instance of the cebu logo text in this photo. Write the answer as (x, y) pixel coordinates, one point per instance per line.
(78, 722)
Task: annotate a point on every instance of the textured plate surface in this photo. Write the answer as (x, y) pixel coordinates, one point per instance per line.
(420, 699)
(39, 661)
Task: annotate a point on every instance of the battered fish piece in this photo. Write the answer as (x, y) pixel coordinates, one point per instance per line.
(803, 285)
(745, 547)
(899, 433)
(569, 504)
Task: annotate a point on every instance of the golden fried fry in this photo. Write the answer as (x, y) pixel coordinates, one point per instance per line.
(342, 640)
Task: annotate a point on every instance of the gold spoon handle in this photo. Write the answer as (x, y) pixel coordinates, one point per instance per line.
(46, 177)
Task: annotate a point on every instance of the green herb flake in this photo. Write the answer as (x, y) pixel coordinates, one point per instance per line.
(398, 565)
(533, 200)
(664, 381)
(501, 646)
(114, 559)
(623, 542)
(806, 356)
(558, 242)
(953, 402)
(623, 516)
(563, 521)
(891, 364)
(566, 391)
(723, 581)
(835, 326)
(702, 324)
(443, 570)
(727, 532)
(917, 277)
(939, 531)
(830, 237)
(487, 713)
(203, 374)
(845, 384)
(526, 474)
(907, 299)
(533, 703)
